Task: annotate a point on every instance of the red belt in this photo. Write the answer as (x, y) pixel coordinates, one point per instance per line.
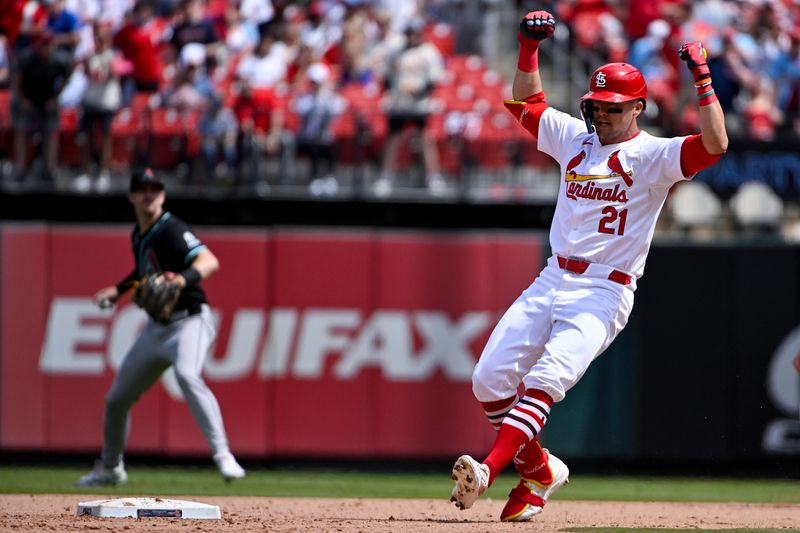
(578, 266)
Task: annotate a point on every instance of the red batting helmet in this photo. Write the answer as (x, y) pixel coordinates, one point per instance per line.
(616, 83)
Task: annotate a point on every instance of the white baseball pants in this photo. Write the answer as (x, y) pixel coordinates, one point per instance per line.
(552, 332)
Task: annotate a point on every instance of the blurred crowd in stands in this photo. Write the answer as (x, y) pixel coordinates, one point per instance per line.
(753, 47)
(374, 95)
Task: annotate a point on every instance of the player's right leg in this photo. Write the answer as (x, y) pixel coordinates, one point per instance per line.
(140, 368)
(512, 349)
(585, 323)
(102, 475)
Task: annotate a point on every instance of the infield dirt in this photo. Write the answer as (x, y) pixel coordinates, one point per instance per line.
(57, 513)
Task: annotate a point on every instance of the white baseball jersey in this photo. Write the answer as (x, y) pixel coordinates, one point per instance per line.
(609, 200)
(610, 196)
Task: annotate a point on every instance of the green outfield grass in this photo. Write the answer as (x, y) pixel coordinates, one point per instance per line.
(173, 481)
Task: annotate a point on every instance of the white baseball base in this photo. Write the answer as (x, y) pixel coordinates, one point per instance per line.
(149, 508)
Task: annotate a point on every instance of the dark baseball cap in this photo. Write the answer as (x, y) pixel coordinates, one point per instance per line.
(141, 177)
(415, 25)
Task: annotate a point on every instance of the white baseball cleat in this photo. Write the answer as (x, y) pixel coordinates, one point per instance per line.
(472, 480)
(102, 475)
(527, 499)
(228, 466)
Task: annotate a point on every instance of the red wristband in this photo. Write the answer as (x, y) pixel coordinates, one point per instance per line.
(705, 93)
(528, 60)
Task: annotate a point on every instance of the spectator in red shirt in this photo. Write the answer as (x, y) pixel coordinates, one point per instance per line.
(763, 115)
(11, 19)
(137, 48)
(261, 118)
(639, 14)
(25, 21)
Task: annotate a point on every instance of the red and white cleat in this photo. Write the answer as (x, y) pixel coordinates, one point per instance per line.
(527, 499)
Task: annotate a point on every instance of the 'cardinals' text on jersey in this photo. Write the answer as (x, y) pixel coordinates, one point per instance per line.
(610, 195)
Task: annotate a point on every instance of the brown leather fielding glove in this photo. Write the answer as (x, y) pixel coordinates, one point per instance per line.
(157, 294)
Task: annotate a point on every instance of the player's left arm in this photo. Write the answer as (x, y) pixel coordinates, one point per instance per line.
(200, 261)
(205, 263)
(703, 150)
(712, 128)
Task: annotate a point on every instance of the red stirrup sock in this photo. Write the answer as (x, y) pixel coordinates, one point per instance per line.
(531, 463)
(508, 442)
(520, 426)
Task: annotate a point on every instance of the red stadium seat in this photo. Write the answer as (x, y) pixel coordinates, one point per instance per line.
(363, 99)
(345, 138)
(365, 106)
(479, 78)
(442, 36)
(449, 139)
(462, 98)
(70, 150)
(466, 67)
(407, 153)
(6, 131)
(140, 103)
(494, 146)
(191, 120)
(376, 128)
(167, 138)
(127, 130)
(529, 154)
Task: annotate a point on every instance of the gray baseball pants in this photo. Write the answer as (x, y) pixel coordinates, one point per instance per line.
(184, 343)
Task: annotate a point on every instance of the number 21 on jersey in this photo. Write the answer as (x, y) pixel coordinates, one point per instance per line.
(612, 217)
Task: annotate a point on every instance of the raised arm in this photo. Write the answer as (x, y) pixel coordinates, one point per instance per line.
(536, 25)
(711, 117)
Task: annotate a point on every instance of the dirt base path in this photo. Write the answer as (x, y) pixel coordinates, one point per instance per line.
(57, 513)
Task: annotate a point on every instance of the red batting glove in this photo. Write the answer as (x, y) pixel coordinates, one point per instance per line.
(695, 54)
(536, 25)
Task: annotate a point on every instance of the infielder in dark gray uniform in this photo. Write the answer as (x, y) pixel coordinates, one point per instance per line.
(163, 243)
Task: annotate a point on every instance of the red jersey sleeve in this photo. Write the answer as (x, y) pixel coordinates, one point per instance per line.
(695, 157)
(528, 111)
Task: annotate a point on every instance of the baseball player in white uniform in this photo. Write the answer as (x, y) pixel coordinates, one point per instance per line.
(615, 181)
